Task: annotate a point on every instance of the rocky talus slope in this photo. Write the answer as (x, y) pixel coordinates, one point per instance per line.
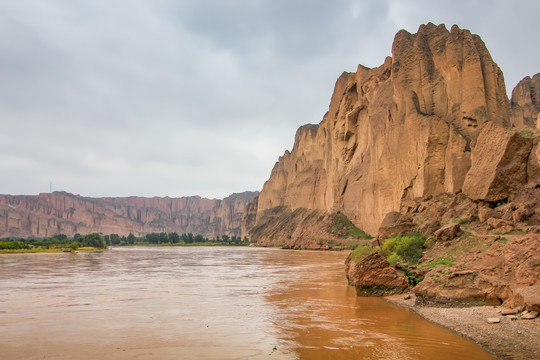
(63, 213)
(428, 142)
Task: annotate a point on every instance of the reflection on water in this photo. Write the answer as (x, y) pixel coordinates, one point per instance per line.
(204, 303)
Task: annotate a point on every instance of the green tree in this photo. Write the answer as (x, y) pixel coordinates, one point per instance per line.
(163, 238)
(131, 239)
(174, 238)
(198, 238)
(115, 239)
(152, 238)
(93, 240)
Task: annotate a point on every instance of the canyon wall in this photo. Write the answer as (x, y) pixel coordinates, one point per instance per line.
(63, 213)
(433, 119)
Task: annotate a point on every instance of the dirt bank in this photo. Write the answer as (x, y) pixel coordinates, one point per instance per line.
(509, 339)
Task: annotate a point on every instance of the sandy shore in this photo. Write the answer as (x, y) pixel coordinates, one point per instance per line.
(509, 339)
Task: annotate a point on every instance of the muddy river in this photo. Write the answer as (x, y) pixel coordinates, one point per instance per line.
(204, 303)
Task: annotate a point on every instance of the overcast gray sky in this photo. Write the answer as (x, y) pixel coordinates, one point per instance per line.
(198, 97)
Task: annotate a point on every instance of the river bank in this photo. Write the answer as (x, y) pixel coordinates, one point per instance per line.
(509, 339)
(49, 251)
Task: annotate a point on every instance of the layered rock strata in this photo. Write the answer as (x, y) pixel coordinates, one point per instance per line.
(63, 213)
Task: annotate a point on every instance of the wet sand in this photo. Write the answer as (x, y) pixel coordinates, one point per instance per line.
(509, 339)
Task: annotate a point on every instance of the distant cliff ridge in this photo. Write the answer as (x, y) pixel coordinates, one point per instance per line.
(433, 119)
(61, 212)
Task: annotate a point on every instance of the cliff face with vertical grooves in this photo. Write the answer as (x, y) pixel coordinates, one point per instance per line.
(526, 102)
(64, 213)
(433, 119)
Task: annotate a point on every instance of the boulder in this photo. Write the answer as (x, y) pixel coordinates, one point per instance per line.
(509, 312)
(428, 227)
(520, 215)
(528, 295)
(529, 315)
(485, 213)
(499, 164)
(373, 276)
(507, 211)
(499, 225)
(395, 223)
(448, 232)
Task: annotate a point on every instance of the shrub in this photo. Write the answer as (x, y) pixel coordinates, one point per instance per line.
(429, 243)
(406, 247)
(13, 245)
(414, 277)
(394, 258)
(360, 253)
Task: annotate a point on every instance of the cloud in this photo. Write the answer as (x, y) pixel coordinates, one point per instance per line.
(195, 97)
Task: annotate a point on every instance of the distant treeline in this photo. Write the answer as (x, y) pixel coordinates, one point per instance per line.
(99, 241)
(171, 238)
(59, 241)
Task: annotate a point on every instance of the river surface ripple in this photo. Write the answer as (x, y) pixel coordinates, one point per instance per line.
(204, 303)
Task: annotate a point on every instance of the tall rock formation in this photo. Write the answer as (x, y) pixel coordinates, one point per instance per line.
(526, 102)
(414, 127)
(63, 213)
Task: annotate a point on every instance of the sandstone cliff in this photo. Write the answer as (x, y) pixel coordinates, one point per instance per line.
(428, 142)
(60, 212)
(526, 102)
(433, 119)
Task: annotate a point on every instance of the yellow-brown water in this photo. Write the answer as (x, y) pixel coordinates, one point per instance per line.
(204, 303)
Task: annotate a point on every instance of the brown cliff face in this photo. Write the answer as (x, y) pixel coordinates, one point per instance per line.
(408, 129)
(250, 215)
(227, 215)
(526, 102)
(64, 213)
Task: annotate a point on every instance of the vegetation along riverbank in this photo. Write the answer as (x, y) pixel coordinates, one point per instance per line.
(95, 241)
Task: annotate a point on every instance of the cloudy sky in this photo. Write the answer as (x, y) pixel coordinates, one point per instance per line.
(198, 97)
